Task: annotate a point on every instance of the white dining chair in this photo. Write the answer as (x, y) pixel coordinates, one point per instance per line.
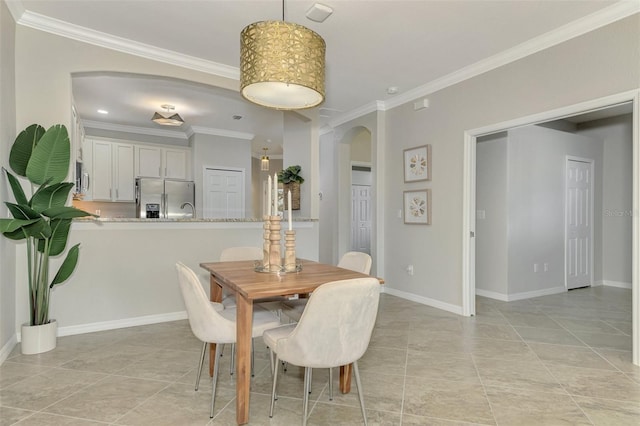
(334, 330)
(353, 260)
(211, 325)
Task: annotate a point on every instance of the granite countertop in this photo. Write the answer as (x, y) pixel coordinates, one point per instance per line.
(196, 220)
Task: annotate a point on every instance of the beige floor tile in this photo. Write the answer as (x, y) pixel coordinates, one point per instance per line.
(591, 326)
(442, 342)
(527, 375)
(54, 358)
(620, 359)
(44, 419)
(501, 349)
(389, 337)
(110, 360)
(382, 392)
(548, 335)
(393, 361)
(9, 416)
(167, 365)
(606, 341)
(491, 331)
(597, 383)
(12, 372)
(408, 419)
(107, 400)
(623, 327)
(574, 356)
(446, 400)
(439, 366)
(331, 414)
(524, 407)
(605, 412)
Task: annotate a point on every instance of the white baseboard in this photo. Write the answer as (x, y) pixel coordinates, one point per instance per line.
(424, 300)
(7, 348)
(115, 324)
(520, 296)
(618, 284)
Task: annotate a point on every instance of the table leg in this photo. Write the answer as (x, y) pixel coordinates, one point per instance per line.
(244, 326)
(215, 295)
(345, 378)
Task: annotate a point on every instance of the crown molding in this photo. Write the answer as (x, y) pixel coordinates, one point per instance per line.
(134, 129)
(358, 112)
(566, 32)
(16, 9)
(219, 132)
(98, 38)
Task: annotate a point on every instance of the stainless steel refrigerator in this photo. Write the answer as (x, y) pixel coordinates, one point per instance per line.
(165, 198)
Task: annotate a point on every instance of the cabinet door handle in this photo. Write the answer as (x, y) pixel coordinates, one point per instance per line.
(166, 173)
(160, 171)
(110, 195)
(117, 193)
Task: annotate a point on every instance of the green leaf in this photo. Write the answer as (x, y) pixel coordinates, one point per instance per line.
(22, 212)
(67, 267)
(59, 236)
(65, 213)
(23, 147)
(16, 188)
(50, 157)
(39, 230)
(51, 196)
(11, 225)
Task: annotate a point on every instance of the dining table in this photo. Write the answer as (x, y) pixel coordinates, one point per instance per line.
(249, 284)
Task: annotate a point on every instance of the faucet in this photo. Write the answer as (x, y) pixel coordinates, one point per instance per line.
(193, 209)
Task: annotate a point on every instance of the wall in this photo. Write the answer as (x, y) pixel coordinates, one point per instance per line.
(297, 151)
(361, 146)
(328, 200)
(219, 152)
(616, 211)
(258, 178)
(581, 69)
(7, 135)
(491, 224)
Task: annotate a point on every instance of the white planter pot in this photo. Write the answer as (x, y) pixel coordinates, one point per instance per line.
(36, 339)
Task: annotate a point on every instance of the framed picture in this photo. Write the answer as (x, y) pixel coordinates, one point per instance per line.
(417, 163)
(417, 207)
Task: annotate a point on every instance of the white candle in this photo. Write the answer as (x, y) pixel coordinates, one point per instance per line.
(269, 200)
(289, 212)
(275, 194)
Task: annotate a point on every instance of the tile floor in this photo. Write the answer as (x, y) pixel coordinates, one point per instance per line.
(553, 360)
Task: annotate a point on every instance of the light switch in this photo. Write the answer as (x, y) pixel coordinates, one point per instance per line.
(480, 214)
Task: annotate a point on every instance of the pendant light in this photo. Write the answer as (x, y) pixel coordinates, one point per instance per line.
(282, 65)
(264, 161)
(168, 120)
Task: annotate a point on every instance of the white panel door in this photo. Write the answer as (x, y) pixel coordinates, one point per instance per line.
(361, 218)
(579, 223)
(223, 193)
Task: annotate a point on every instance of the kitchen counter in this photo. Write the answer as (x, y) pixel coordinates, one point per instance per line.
(196, 220)
(132, 223)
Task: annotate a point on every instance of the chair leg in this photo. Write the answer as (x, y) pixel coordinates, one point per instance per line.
(360, 391)
(232, 364)
(204, 350)
(214, 383)
(253, 359)
(273, 389)
(307, 390)
(330, 384)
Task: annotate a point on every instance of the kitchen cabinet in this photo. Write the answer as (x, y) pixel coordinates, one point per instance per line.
(113, 171)
(159, 162)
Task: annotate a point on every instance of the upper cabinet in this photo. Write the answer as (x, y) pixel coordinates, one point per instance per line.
(160, 162)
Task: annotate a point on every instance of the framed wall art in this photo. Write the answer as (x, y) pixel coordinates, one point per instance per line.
(417, 207)
(417, 163)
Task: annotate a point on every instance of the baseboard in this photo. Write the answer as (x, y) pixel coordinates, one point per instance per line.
(520, 296)
(617, 284)
(424, 300)
(7, 348)
(115, 324)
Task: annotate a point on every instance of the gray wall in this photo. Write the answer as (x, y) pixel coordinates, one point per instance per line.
(616, 211)
(7, 135)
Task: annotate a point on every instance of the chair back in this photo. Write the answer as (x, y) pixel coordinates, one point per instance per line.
(206, 323)
(336, 325)
(232, 254)
(356, 261)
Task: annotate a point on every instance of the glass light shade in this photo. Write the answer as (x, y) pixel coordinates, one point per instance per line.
(282, 65)
(264, 163)
(173, 120)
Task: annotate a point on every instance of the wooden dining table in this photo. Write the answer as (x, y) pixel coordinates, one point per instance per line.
(249, 286)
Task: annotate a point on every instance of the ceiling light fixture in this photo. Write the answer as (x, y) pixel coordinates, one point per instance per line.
(281, 65)
(264, 161)
(168, 120)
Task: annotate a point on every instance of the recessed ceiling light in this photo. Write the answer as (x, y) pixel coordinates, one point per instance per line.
(237, 117)
(103, 111)
(392, 90)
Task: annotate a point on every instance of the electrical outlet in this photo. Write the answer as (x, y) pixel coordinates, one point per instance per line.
(536, 267)
(409, 269)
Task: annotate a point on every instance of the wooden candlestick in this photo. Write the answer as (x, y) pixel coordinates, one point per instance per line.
(275, 259)
(266, 243)
(290, 251)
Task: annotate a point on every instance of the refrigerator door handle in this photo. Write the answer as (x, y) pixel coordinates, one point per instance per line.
(166, 206)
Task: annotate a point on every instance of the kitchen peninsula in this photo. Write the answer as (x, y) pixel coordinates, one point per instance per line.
(126, 272)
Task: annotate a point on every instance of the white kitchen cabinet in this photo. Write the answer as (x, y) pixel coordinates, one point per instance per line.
(113, 171)
(159, 162)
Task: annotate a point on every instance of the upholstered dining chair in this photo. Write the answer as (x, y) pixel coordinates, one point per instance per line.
(211, 325)
(334, 330)
(353, 260)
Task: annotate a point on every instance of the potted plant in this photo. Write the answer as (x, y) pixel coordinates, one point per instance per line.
(291, 180)
(43, 221)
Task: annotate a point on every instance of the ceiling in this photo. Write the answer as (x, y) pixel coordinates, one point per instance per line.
(371, 46)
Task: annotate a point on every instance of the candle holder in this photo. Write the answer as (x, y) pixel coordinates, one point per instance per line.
(290, 251)
(275, 259)
(266, 243)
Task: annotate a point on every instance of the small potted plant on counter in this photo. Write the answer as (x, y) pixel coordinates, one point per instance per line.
(43, 221)
(291, 180)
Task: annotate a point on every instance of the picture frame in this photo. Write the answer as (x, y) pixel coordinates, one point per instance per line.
(417, 207)
(417, 163)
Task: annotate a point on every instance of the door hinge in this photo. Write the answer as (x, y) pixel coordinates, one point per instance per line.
(473, 234)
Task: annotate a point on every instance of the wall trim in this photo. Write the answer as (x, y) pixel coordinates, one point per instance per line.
(423, 300)
(617, 284)
(520, 296)
(7, 348)
(113, 127)
(116, 324)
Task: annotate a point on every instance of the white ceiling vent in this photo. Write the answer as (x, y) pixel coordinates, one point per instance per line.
(319, 12)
